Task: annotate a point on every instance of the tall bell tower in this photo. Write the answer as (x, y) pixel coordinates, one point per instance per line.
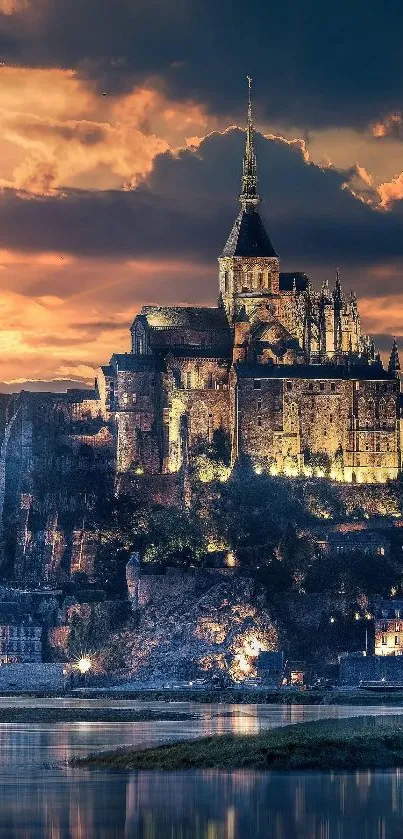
(248, 265)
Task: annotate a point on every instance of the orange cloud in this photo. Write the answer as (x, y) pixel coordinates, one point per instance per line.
(67, 335)
(391, 191)
(57, 132)
(382, 314)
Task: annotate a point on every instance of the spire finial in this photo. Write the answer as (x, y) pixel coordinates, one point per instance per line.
(249, 197)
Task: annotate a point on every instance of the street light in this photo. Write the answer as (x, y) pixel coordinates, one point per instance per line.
(84, 664)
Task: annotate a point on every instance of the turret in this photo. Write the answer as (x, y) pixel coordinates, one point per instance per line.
(394, 361)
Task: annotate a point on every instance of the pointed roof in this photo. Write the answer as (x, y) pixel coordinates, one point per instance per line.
(241, 316)
(248, 236)
(394, 361)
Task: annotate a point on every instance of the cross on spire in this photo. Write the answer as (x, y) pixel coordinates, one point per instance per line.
(249, 196)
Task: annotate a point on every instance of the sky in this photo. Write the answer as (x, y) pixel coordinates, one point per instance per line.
(121, 141)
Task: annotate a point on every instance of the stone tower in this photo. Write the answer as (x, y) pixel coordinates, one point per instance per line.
(249, 265)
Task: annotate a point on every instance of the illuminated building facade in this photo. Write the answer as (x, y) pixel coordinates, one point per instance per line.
(282, 370)
(389, 628)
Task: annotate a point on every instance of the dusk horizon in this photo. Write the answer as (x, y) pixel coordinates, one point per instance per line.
(121, 167)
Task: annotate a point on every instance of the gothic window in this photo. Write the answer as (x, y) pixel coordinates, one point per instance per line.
(188, 380)
(322, 386)
(257, 384)
(333, 386)
(310, 386)
(210, 380)
(260, 279)
(269, 281)
(259, 404)
(259, 422)
(289, 385)
(249, 278)
(391, 410)
(226, 281)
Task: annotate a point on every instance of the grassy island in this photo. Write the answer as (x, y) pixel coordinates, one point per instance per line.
(77, 714)
(356, 743)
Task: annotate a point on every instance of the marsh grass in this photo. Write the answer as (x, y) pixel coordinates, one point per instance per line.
(356, 743)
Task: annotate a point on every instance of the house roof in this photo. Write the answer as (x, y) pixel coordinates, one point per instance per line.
(128, 362)
(190, 351)
(191, 317)
(248, 236)
(370, 372)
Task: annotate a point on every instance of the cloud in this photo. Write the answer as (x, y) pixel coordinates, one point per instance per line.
(184, 209)
(75, 269)
(313, 66)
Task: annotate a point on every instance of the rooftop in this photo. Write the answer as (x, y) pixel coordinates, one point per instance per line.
(370, 372)
(248, 236)
(192, 317)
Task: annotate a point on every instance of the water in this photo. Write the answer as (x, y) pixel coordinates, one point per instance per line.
(41, 798)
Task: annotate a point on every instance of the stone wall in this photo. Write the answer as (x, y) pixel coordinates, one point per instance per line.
(283, 419)
(355, 669)
(31, 677)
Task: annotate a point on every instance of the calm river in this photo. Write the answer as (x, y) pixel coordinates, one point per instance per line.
(42, 799)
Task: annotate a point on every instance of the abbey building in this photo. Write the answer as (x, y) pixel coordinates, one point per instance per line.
(282, 370)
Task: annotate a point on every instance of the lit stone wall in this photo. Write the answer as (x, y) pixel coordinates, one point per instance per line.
(282, 421)
(138, 419)
(255, 277)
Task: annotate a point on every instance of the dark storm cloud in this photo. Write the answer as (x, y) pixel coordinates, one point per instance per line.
(187, 206)
(315, 63)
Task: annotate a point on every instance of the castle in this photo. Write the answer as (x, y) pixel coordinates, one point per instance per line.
(282, 370)
(280, 374)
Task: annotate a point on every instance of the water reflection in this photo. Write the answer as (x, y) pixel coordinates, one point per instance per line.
(42, 799)
(205, 805)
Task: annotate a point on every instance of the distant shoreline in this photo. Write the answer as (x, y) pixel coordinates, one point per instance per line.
(357, 743)
(230, 696)
(48, 714)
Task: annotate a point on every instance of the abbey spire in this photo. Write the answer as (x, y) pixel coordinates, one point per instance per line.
(249, 265)
(249, 196)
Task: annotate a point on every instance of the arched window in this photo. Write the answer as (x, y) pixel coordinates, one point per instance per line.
(226, 281)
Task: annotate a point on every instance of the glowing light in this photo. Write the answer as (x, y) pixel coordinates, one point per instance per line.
(332, 619)
(230, 560)
(357, 616)
(258, 470)
(139, 471)
(84, 665)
